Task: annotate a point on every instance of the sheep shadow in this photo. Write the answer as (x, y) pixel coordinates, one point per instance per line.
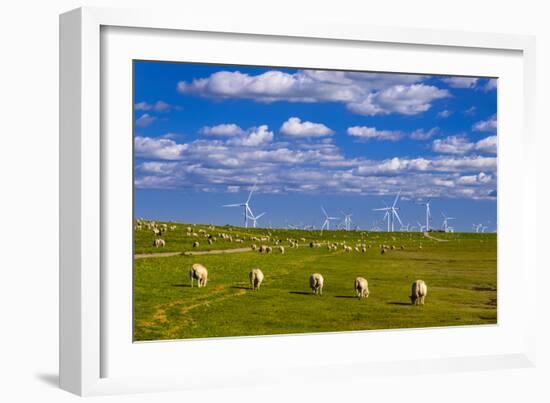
(300, 293)
(398, 303)
(345, 296)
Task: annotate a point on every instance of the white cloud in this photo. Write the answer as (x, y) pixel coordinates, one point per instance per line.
(228, 129)
(406, 100)
(486, 125)
(488, 145)
(255, 137)
(145, 120)
(227, 164)
(159, 106)
(460, 82)
(294, 127)
(371, 133)
(480, 178)
(491, 84)
(393, 165)
(158, 148)
(444, 113)
(421, 134)
(470, 111)
(452, 145)
(363, 93)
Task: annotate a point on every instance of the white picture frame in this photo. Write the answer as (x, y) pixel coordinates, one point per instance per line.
(86, 345)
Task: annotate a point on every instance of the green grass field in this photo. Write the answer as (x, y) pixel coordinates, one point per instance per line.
(461, 275)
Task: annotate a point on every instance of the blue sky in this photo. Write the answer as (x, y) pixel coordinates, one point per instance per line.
(346, 140)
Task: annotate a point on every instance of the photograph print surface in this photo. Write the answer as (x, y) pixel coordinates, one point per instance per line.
(277, 200)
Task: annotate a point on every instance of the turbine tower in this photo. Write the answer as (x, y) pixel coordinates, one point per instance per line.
(391, 214)
(247, 212)
(326, 223)
(446, 222)
(428, 214)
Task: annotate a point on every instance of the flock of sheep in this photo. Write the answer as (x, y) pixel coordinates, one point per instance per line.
(198, 272)
(159, 229)
(419, 289)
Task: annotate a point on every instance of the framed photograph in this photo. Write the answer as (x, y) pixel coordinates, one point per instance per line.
(233, 199)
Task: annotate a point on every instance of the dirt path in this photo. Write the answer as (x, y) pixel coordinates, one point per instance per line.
(427, 235)
(191, 253)
(160, 254)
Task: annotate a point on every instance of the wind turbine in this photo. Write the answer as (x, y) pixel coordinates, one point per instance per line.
(254, 219)
(391, 213)
(428, 214)
(347, 221)
(445, 222)
(326, 223)
(420, 226)
(477, 227)
(247, 212)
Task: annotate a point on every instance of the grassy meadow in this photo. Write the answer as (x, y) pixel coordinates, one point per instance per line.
(461, 274)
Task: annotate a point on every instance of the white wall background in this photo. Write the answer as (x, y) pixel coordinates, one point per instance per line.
(29, 195)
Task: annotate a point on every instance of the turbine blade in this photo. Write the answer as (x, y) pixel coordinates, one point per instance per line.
(250, 194)
(398, 218)
(232, 205)
(396, 198)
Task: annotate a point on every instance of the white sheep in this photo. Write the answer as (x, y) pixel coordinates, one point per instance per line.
(198, 272)
(256, 277)
(159, 243)
(316, 282)
(196, 244)
(282, 249)
(362, 287)
(419, 290)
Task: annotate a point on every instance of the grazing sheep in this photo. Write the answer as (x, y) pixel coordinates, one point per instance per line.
(156, 231)
(159, 243)
(188, 229)
(254, 247)
(196, 244)
(362, 287)
(210, 242)
(316, 282)
(382, 251)
(363, 249)
(419, 290)
(198, 272)
(282, 249)
(256, 277)
(269, 249)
